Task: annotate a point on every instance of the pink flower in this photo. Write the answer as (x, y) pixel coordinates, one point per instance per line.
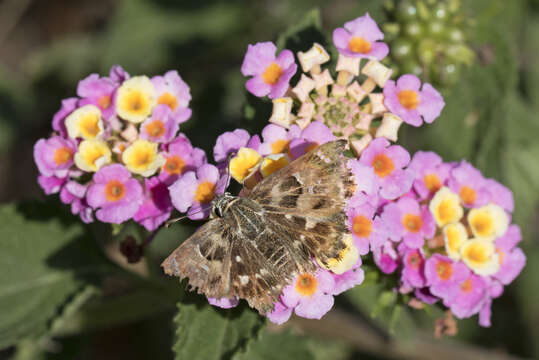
(364, 178)
(315, 134)
(367, 230)
(388, 163)
(511, 258)
(359, 38)
(471, 295)
(161, 127)
(348, 279)
(444, 275)
(469, 184)
(277, 139)
(406, 100)
(156, 206)
(310, 295)
(118, 74)
(280, 314)
(195, 191)
(98, 91)
(54, 156)
(270, 74)
(500, 195)
(224, 303)
(180, 157)
(229, 142)
(173, 91)
(58, 120)
(430, 173)
(75, 194)
(414, 267)
(386, 258)
(408, 221)
(115, 194)
(50, 184)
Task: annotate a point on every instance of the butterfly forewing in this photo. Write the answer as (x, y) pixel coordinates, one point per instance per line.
(264, 240)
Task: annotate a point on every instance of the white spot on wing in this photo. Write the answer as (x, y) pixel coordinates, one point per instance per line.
(244, 279)
(238, 258)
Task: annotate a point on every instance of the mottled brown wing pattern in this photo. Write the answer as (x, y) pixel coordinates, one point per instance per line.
(204, 259)
(307, 199)
(264, 240)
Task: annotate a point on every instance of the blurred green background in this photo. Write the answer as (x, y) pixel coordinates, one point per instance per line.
(47, 46)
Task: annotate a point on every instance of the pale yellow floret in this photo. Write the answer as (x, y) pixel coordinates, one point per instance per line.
(480, 256)
(348, 257)
(455, 235)
(92, 155)
(142, 158)
(244, 164)
(136, 99)
(445, 207)
(85, 122)
(272, 163)
(488, 222)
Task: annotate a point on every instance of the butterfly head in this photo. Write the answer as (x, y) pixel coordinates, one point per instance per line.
(221, 203)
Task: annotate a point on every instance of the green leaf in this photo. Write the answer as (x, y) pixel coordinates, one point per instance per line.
(43, 261)
(276, 346)
(205, 332)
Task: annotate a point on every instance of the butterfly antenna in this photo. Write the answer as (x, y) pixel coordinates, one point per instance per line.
(175, 220)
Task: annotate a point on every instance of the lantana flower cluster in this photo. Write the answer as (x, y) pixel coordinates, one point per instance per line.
(116, 152)
(116, 147)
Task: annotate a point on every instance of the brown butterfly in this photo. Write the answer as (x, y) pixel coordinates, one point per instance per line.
(255, 245)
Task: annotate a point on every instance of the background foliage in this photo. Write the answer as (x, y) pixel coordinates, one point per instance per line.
(65, 292)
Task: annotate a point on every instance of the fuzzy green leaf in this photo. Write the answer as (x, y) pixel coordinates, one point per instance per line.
(43, 261)
(205, 332)
(283, 345)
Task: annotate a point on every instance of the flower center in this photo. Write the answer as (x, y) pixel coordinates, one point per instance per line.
(362, 226)
(169, 100)
(383, 165)
(477, 253)
(89, 126)
(446, 211)
(412, 222)
(306, 285)
(444, 270)
(104, 101)
(205, 192)
(137, 102)
(174, 165)
(63, 155)
(114, 190)
(482, 224)
(359, 44)
(155, 129)
(279, 146)
(242, 164)
(408, 99)
(432, 182)
(272, 74)
(467, 194)
(414, 260)
(466, 286)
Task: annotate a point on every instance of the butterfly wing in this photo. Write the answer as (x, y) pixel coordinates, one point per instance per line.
(306, 200)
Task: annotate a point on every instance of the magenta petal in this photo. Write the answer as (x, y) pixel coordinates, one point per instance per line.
(379, 50)
(408, 82)
(182, 192)
(208, 172)
(365, 27)
(316, 307)
(341, 38)
(258, 57)
(117, 214)
(431, 103)
(257, 86)
(223, 303)
(285, 59)
(280, 314)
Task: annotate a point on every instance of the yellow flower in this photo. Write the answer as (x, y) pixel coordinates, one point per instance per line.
(92, 155)
(272, 163)
(488, 222)
(445, 207)
(85, 122)
(455, 236)
(480, 256)
(348, 257)
(136, 99)
(142, 158)
(244, 164)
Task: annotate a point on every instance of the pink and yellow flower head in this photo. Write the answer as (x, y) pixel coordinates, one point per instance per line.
(271, 74)
(173, 92)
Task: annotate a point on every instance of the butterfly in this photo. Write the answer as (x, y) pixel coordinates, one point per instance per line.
(255, 245)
